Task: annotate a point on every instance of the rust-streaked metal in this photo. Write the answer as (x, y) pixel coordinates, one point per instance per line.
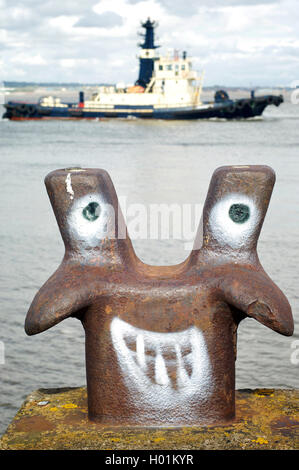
(160, 340)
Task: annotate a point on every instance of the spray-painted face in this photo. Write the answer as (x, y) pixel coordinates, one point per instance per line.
(160, 341)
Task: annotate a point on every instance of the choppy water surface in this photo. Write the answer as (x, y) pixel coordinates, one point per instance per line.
(149, 162)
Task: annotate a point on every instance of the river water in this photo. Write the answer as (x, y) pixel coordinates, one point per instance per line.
(149, 162)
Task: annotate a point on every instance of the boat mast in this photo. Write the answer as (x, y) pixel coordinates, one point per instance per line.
(147, 55)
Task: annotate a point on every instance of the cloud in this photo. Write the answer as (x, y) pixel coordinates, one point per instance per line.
(28, 59)
(191, 7)
(237, 42)
(52, 8)
(18, 18)
(105, 20)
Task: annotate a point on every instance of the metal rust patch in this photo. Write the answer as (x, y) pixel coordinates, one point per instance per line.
(33, 424)
(285, 425)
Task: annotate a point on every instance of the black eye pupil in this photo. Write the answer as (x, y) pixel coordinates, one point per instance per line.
(239, 213)
(92, 211)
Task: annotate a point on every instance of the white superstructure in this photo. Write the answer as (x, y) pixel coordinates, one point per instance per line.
(173, 84)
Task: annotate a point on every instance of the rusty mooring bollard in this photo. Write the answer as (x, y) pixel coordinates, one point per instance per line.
(160, 340)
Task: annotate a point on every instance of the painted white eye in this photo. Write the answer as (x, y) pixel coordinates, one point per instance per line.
(233, 220)
(91, 219)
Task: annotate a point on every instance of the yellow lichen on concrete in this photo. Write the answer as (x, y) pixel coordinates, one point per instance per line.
(58, 419)
(260, 440)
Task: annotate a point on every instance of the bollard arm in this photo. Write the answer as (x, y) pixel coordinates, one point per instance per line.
(64, 295)
(253, 292)
(233, 215)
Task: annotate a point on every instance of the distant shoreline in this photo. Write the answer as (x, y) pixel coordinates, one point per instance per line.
(72, 85)
(70, 92)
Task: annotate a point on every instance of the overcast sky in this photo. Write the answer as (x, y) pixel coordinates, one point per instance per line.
(236, 42)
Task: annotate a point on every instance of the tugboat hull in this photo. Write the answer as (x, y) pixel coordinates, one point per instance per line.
(228, 109)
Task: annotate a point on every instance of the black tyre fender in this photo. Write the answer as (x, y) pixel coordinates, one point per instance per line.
(31, 109)
(278, 100)
(23, 110)
(240, 104)
(231, 108)
(270, 99)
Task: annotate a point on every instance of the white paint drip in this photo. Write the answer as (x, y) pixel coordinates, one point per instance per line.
(161, 375)
(182, 376)
(140, 351)
(225, 230)
(146, 371)
(69, 188)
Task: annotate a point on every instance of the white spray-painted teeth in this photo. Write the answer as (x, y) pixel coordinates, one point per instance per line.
(182, 376)
(158, 359)
(155, 364)
(140, 351)
(161, 376)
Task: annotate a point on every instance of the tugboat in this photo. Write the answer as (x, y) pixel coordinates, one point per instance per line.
(166, 88)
